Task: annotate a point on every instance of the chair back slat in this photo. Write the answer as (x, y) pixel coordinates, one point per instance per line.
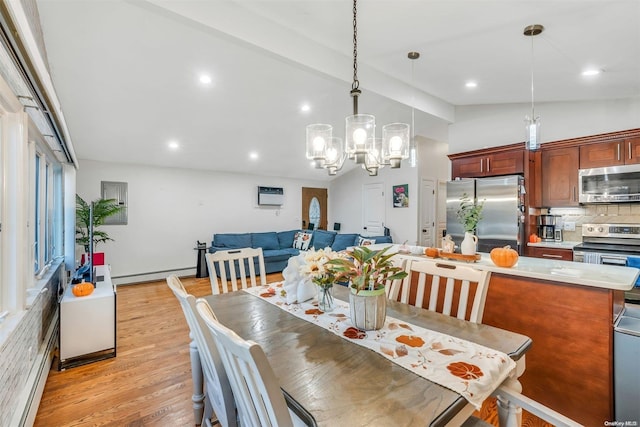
(451, 286)
(217, 387)
(228, 269)
(258, 396)
(392, 287)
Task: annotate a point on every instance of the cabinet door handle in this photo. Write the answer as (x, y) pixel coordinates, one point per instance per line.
(551, 256)
(574, 193)
(618, 151)
(488, 165)
(629, 150)
(481, 159)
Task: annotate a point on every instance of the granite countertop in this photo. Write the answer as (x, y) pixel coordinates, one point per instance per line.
(555, 245)
(576, 273)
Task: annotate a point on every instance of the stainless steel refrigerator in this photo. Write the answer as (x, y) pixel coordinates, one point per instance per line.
(502, 220)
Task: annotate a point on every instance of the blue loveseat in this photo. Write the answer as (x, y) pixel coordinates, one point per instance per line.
(277, 246)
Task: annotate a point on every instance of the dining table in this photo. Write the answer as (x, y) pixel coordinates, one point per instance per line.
(341, 383)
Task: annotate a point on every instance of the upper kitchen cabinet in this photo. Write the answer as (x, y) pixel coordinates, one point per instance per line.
(496, 161)
(610, 153)
(560, 177)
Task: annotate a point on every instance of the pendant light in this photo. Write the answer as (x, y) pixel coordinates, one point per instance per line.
(360, 143)
(532, 123)
(413, 151)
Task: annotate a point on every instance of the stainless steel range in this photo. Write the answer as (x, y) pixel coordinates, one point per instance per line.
(612, 244)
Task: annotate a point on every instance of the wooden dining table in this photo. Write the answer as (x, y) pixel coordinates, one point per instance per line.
(343, 384)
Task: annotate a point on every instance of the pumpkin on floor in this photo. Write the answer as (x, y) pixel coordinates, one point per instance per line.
(82, 289)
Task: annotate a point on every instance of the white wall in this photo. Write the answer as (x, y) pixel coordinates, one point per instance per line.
(346, 204)
(482, 126)
(170, 209)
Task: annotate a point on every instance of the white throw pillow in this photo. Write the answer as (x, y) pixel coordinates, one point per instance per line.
(363, 241)
(301, 240)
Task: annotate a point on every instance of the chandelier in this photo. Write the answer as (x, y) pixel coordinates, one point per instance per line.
(532, 123)
(360, 143)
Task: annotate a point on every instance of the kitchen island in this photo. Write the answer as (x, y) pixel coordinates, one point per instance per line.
(568, 310)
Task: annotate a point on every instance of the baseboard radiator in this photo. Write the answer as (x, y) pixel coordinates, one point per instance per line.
(29, 401)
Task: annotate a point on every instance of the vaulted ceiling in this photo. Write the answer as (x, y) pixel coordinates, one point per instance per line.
(128, 72)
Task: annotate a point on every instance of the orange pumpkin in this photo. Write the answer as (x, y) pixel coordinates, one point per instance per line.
(82, 289)
(432, 252)
(504, 257)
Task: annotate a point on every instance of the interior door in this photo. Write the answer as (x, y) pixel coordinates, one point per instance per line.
(314, 208)
(373, 210)
(428, 212)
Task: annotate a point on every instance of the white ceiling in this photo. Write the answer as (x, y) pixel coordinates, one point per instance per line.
(126, 72)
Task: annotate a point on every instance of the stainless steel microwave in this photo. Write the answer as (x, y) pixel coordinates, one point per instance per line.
(616, 184)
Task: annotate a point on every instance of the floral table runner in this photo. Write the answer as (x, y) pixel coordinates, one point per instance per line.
(467, 368)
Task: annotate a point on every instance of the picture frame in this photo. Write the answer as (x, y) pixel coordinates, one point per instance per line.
(401, 196)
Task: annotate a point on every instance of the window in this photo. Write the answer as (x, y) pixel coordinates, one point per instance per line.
(44, 210)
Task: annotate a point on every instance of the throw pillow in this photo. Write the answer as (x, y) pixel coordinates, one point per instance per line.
(363, 241)
(301, 240)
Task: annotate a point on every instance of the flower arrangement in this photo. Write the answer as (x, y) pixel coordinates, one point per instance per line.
(367, 269)
(469, 213)
(316, 266)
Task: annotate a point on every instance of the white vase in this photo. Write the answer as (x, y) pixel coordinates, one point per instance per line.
(468, 245)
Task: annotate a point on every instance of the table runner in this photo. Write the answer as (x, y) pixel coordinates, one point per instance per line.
(470, 369)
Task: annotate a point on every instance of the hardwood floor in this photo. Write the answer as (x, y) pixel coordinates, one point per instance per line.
(149, 382)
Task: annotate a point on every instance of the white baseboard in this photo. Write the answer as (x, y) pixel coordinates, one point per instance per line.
(29, 401)
(152, 276)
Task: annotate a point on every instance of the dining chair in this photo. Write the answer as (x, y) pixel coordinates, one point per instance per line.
(259, 398)
(226, 267)
(219, 397)
(515, 419)
(459, 282)
(392, 287)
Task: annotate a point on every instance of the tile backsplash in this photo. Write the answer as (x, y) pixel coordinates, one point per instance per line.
(615, 213)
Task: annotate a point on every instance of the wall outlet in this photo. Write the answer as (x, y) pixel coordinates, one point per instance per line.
(569, 226)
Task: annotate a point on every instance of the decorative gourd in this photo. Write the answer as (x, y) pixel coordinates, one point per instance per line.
(82, 289)
(504, 257)
(432, 252)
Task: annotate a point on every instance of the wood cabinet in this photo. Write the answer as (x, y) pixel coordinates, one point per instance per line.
(560, 177)
(610, 153)
(483, 164)
(550, 253)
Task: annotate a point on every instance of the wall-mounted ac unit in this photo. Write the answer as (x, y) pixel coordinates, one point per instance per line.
(270, 196)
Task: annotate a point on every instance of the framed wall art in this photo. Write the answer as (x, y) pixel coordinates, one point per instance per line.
(401, 196)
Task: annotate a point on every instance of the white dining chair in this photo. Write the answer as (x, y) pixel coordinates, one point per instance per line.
(459, 282)
(392, 287)
(219, 397)
(514, 418)
(259, 398)
(227, 268)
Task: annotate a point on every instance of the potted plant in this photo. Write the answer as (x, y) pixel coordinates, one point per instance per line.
(469, 213)
(367, 271)
(102, 208)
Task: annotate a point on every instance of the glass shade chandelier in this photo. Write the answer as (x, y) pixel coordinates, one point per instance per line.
(360, 143)
(532, 123)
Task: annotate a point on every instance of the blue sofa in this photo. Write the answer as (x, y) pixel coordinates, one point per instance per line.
(277, 247)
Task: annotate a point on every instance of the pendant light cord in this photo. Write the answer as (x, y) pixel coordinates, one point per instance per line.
(533, 117)
(355, 86)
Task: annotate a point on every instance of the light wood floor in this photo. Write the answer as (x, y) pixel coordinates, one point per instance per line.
(149, 382)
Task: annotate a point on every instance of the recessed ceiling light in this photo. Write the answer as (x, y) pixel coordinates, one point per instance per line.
(205, 79)
(471, 84)
(591, 72)
(253, 155)
(173, 145)
(305, 107)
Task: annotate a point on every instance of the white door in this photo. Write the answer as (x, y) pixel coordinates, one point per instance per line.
(373, 211)
(428, 212)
